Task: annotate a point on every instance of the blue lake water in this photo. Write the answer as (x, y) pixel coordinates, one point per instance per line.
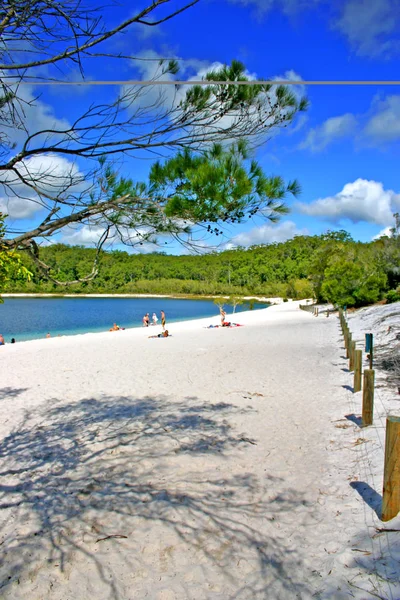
(32, 318)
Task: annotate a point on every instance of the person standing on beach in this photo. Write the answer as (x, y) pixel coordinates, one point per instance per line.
(2, 342)
(163, 319)
(223, 315)
(146, 320)
(154, 319)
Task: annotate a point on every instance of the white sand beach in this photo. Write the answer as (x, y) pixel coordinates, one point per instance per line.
(216, 464)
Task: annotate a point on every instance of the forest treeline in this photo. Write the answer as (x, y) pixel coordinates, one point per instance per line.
(330, 267)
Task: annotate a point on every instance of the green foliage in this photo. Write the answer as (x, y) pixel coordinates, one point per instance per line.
(331, 267)
(330, 243)
(11, 266)
(352, 277)
(231, 97)
(393, 296)
(234, 301)
(219, 302)
(218, 185)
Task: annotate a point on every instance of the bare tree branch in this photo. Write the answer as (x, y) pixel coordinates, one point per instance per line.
(79, 23)
(33, 251)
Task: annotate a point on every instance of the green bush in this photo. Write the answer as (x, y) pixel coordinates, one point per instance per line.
(392, 296)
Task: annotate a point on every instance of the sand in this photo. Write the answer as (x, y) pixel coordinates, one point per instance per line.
(216, 464)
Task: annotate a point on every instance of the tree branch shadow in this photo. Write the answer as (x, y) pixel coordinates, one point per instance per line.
(79, 477)
(9, 392)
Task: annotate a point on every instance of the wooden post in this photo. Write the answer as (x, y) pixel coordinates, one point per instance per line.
(327, 312)
(368, 397)
(391, 477)
(348, 344)
(316, 314)
(357, 370)
(352, 352)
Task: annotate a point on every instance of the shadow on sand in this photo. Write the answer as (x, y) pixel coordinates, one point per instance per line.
(77, 477)
(11, 392)
(354, 419)
(369, 495)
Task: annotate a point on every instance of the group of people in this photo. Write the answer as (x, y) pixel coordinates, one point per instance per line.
(146, 323)
(154, 319)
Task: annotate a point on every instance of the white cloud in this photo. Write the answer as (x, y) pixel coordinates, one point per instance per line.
(51, 174)
(378, 126)
(266, 234)
(87, 235)
(361, 200)
(90, 234)
(384, 123)
(331, 130)
(384, 232)
(291, 75)
(33, 116)
(370, 26)
(19, 208)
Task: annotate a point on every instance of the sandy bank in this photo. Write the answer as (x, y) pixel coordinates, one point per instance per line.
(216, 464)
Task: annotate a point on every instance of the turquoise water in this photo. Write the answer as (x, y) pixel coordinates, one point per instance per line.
(32, 318)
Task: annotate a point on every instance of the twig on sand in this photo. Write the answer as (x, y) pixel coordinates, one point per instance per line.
(109, 537)
(367, 591)
(248, 440)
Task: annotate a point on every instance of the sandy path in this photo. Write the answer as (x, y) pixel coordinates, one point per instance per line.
(213, 460)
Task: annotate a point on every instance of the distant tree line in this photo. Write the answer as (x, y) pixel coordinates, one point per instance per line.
(330, 267)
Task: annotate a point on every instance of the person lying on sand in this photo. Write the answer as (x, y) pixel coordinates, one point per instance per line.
(161, 335)
(224, 324)
(116, 327)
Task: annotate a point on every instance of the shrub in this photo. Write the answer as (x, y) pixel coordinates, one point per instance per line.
(393, 296)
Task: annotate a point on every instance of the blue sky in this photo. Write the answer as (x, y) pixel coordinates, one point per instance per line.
(344, 150)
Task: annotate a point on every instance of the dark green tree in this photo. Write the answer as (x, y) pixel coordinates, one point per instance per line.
(353, 278)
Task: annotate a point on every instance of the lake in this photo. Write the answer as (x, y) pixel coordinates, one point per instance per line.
(32, 318)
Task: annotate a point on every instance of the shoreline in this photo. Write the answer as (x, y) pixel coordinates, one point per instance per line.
(275, 300)
(181, 325)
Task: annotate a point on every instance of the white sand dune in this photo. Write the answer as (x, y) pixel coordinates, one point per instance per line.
(216, 464)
